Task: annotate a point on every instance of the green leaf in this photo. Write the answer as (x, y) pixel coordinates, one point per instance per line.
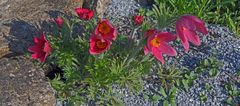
(208, 86)
(230, 101)
(117, 102)
(205, 62)
(199, 70)
(203, 97)
(57, 83)
(156, 98)
(178, 82)
(149, 13)
(162, 92)
(173, 91)
(185, 84)
(165, 103)
(146, 97)
(173, 102)
(213, 72)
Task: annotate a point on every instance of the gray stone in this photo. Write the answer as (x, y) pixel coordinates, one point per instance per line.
(23, 84)
(102, 7)
(4, 49)
(20, 20)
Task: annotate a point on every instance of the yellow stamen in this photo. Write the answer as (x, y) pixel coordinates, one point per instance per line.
(104, 28)
(183, 28)
(101, 44)
(155, 42)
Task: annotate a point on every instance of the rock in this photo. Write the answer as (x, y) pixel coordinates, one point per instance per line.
(23, 84)
(146, 3)
(102, 7)
(72, 4)
(20, 20)
(4, 49)
(120, 9)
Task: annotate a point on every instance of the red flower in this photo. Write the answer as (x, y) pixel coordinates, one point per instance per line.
(59, 21)
(106, 30)
(98, 44)
(150, 32)
(158, 44)
(41, 49)
(186, 28)
(138, 19)
(85, 14)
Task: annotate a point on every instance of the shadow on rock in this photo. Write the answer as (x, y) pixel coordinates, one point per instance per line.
(53, 14)
(21, 34)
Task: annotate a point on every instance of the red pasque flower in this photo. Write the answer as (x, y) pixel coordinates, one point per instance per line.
(98, 44)
(138, 19)
(186, 28)
(106, 30)
(158, 44)
(59, 21)
(41, 49)
(85, 14)
(150, 32)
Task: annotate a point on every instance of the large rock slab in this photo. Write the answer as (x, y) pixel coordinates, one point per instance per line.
(102, 7)
(4, 49)
(20, 20)
(23, 84)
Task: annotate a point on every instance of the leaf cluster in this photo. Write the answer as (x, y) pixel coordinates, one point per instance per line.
(224, 12)
(90, 78)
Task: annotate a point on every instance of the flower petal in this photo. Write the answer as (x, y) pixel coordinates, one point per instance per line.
(146, 51)
(165, 48)
(38, 56)
(192, 37)
(111, 35)
(180, 32)
(42, 58)
(47, 48)
(158, 55)
(41, 48)
(35, 39)
(138, 19)
(42, 37)
(166, 36)
(200, 25)
(59, 21)
(34, 49)
(35, 56)
(84, 13)
(150, 32)
(149, 41)
(94, 48)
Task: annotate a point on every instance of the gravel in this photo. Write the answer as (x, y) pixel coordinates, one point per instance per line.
(220, 43)
(119, 9)
(225, 47)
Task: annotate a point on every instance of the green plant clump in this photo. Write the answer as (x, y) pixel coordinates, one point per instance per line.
(97, 59)
(224, 12)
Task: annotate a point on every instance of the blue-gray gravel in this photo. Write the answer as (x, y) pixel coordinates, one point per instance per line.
(220, 43)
